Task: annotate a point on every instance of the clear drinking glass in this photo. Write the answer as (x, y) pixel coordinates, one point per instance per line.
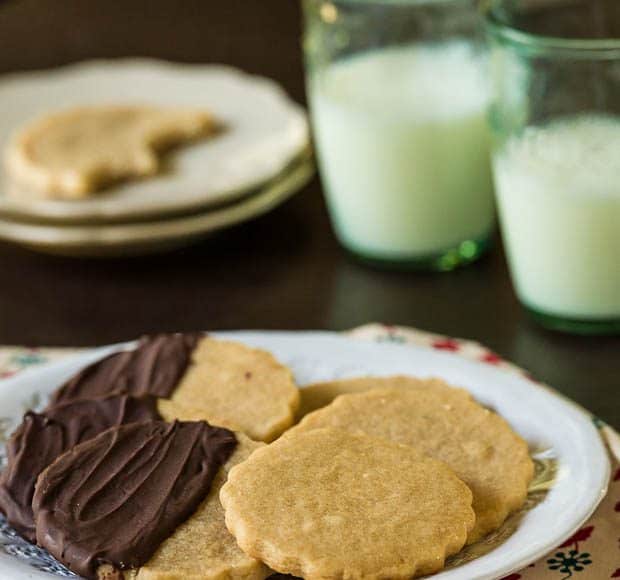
(555, 117)
(398, 95)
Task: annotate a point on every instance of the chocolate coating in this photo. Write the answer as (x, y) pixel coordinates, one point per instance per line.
(154, 367)
(41, 438)
(114, 499)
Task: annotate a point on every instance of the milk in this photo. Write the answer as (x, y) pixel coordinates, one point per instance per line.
(558, 190)
(403, 149)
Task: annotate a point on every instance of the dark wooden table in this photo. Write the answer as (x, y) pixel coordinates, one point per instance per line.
(284, 270)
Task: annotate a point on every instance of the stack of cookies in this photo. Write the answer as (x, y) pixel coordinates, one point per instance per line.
(178, 460)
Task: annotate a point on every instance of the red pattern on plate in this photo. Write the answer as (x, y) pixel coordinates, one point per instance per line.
(579, 536)
(446, 344)
(492, 358)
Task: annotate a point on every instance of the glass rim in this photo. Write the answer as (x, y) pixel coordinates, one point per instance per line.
(609, 47)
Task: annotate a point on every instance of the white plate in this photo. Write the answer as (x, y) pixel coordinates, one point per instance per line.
(543, 418)
(107, 240)
(265, 130)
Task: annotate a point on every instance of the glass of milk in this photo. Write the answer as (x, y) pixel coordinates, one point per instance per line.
(398, 96)
(556, 156)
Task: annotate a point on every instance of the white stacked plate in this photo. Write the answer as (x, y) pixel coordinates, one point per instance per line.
(260, 159)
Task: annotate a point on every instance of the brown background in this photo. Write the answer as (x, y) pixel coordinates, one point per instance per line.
(284, 270)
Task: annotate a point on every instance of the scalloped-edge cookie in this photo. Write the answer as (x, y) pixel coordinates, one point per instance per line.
(319, 395)
(330, 504)
(475, 442)
(71, 154)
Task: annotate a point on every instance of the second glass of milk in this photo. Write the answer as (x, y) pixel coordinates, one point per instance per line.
(556, 124)
(398, 101)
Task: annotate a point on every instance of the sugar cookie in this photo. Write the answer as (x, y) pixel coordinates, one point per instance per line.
(330, 504)
(240, 385)
(476, 443)
(319, 395)
(73, 153)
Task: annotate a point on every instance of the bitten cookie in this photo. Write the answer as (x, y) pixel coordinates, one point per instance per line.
(330, 504)
(201, 378)
(71, 154)
(202, 548)
(319, 395)
(476, 443)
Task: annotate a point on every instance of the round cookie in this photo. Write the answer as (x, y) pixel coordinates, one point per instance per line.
(202, 548)
(476, 443)
(330, 504)
(222, 382)
(110, 502)
(319, 395)
(242, 386)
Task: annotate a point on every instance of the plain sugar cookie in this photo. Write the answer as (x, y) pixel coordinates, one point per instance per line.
(329, 504)
(319, 395)
(242, 386)
(476, 443)
(71, 154)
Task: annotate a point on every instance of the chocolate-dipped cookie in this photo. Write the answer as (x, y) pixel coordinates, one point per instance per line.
(154, 367)
(107, 505)
(197, 378)
(43, 437)
(202, 548)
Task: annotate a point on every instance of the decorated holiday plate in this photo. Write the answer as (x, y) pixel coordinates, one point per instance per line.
(262, 131)
(572, 468)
